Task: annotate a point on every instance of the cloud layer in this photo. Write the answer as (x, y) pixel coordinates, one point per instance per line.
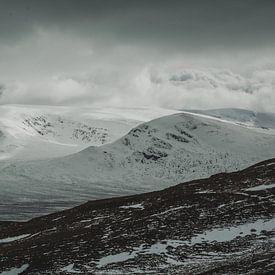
(179, 54)
(153, 86)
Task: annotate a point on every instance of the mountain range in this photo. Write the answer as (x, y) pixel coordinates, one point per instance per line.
(153, 155)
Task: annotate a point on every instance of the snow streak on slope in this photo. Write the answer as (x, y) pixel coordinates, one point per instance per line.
(153, 155)
(242, 117)
(37, 132)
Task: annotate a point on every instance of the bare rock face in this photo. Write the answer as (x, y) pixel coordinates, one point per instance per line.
(220, 225)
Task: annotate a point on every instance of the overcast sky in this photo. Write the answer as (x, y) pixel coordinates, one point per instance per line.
(190, 54)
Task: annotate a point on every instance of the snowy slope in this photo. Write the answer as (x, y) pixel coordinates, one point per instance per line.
(37, 132)
(156, 154)
(241, 116)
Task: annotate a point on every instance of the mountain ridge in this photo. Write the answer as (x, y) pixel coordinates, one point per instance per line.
(153, 155)
(41, 132)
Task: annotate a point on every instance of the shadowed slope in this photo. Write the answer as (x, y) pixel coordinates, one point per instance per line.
(223, 224)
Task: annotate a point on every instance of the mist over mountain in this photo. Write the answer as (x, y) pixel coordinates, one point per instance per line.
(153, 85)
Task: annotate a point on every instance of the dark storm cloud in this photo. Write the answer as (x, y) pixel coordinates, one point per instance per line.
(126, 52)
(176, 24)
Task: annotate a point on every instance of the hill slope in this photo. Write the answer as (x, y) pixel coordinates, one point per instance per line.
(221, 225)
(39, 132)
(151, 156)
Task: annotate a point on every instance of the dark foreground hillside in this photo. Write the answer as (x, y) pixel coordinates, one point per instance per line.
(223, 224)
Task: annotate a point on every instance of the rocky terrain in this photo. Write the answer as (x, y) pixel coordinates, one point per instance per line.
(42, 125)
(224, 224)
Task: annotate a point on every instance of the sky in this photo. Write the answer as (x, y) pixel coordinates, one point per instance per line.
(174, 54)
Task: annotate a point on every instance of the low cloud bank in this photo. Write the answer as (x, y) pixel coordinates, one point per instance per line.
(151, 85)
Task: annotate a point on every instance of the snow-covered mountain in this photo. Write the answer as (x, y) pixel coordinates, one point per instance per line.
(154, 155)
(37, 132)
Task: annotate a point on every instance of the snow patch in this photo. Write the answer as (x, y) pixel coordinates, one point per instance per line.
(135, 206)
(87, 220)
(228, 234)
(70, 269)
(171, 210)
(261, 187)
(215, 235)
(116, 258)
(159, 248)
(16, 238)
(15, 271)
(206, 192)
